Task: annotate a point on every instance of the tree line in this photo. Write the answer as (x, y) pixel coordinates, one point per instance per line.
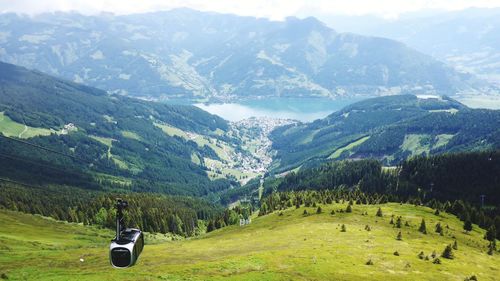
(180, 215)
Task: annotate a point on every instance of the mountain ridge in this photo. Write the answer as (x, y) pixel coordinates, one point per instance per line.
(208, 56)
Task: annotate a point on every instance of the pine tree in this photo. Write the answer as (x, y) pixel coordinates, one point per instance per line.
(448, 252)
(305, 212)
(399, 237)
(297, 205)
(210, 226)
(422, 227)
(491, 248)
(455, 245)
(398, 222)
(379, 212)
(467, 225)
(318, 211)
(436, 212)
(392, 221)
(343, 228)
(348, 209)
(439, 229)
(491, 233)
(332, 212)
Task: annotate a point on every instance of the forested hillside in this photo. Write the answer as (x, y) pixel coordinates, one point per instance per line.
(55, 131)
(452, 182)
(390, 129)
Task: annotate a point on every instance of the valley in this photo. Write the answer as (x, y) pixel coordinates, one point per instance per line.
(249, 141)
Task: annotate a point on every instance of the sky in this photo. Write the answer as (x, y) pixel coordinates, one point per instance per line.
(272, 9)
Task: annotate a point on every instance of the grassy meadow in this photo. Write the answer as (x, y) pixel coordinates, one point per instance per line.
(286, 246)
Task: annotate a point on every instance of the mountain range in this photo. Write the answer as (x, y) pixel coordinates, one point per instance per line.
(468, 40)
(203, 56)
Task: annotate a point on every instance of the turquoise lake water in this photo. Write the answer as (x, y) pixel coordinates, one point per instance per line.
(302, 109)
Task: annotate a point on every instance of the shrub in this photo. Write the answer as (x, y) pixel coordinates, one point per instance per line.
(305, 212)
(396, 253)
(455, 245)
(379, 212)
(436, 261)
(318, 211)
(332, 212)
(436, 212)
(421, 255)
(369, 262)
(367, 228)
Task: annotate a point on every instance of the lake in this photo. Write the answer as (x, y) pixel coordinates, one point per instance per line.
(302, 109)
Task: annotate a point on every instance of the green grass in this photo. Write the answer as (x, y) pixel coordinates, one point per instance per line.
(338, 152)
(415, 143)
(273, 247)
(131, 135)
(10, 128)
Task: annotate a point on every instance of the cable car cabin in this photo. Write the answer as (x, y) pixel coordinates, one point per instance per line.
(125, 250)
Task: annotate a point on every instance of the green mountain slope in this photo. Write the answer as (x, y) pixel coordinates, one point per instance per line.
(388, 128)
(111, 140)
(273, 247)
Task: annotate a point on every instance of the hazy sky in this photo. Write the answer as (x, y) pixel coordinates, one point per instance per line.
(273, 9)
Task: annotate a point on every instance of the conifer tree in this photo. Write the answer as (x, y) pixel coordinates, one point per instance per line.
(379, 212)
(398, 222)
(422, 227)
(439, 229)
(332, 212)
(436, 212)
(467, 225)
(399, 237)
(455, 245)
(491, 248)
(343, 228)
(348, 209)
(305, 212)
(491, 233)
(318, 211)
(448, 252)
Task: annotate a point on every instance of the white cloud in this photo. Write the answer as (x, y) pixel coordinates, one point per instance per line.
(273, 9)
